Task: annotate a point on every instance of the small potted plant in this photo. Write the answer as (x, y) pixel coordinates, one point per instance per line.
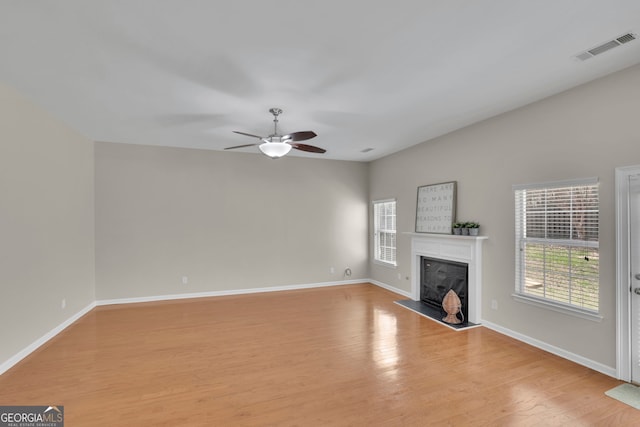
(457, 228)
(464, 229)
(473, 228)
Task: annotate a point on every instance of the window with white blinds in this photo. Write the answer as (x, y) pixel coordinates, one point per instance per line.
(384, 231)
(557, 258)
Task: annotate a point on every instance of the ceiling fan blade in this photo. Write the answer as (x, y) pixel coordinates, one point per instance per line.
(248, 134)
(300, 136)
(309, 148)
(241, 146)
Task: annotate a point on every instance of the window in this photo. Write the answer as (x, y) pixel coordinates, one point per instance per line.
(557, 258)
(384, 231)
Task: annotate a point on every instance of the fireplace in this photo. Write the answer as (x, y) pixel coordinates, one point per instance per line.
(458, 249)
(439, 276)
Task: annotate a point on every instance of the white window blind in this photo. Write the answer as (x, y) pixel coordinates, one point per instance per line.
(384, 224)
(557, 257)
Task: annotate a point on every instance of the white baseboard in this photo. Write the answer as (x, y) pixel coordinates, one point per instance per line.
(225, 292)
(391, 288)
(8, 364)
(596, 366)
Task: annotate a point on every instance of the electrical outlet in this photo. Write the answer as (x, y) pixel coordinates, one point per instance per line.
(332, 270)
(63, 303)
(494, 304)
(185, 280)
(399, 276)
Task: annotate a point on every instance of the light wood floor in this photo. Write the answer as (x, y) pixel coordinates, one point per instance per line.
(343, 356)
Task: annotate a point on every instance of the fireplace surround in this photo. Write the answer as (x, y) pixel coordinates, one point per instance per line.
(462, 249)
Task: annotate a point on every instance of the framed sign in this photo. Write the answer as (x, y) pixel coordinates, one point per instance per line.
(436, 208)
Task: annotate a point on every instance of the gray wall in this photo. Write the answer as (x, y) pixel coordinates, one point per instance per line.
(584, 132)
(46, 223)
(226, 220)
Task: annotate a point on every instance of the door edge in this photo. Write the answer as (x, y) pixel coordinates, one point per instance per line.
(623, 271)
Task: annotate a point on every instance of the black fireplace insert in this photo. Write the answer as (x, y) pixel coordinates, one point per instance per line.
(438, 276)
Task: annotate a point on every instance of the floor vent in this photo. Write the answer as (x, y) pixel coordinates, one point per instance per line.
(626, 38)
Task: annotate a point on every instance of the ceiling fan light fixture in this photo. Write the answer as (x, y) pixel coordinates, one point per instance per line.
(277, 145)
(275, 149)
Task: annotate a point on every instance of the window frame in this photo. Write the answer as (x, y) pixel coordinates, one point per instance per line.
(570, 243)
(377, 235)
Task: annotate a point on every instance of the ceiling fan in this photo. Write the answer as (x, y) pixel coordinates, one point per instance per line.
(276, 145)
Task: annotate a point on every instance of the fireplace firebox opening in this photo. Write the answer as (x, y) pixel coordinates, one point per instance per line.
(438, 276)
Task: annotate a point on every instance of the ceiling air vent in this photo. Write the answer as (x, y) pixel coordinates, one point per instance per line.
(626, 38)
(603, 47)
(583, 56)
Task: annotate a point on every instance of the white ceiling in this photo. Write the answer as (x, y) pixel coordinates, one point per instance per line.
(360, 73)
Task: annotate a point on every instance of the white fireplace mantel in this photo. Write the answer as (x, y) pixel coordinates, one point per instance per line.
(467, 249)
